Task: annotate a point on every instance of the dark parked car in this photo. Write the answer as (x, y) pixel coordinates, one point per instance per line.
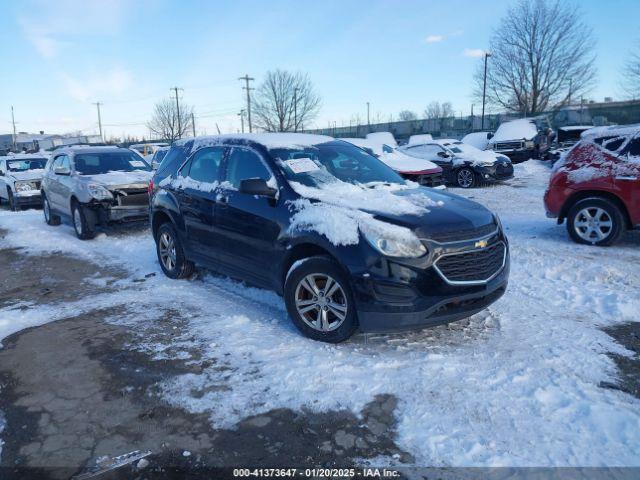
(331, 228)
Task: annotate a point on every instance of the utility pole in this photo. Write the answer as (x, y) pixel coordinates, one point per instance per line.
(179, 132)
(368, 119)
(193, 123)
(248, 79)
(13, 120)
(295, 109)
(241, 114)
(484, 86)
(97, 104)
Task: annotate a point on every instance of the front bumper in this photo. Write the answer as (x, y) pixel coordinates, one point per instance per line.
(30, 198)
(495, 173)
(116, 214)
(393, 296)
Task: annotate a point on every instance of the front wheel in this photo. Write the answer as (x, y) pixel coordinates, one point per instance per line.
(12, 202)
(83, 222)
(595, 221)
(170, 253)
(465, 178)
(319, 300)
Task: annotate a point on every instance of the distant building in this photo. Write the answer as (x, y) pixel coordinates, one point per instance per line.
(33, 142)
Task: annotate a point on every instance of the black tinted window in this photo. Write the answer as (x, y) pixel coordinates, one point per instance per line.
(205, 164)
(174, 158)
(634, 147)
(105, 162)
(244, 164)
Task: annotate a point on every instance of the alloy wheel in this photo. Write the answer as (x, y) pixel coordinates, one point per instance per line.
(46, 211)
(465, 178)
(593, 224)
(167, 248)
(77, 221)
(321, 302)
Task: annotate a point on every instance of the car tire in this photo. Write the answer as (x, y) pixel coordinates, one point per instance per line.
(12, 201)
(84, 221)
(170, 253)
(328, 318)
(466, 178)
(595, 221)
(49, 217)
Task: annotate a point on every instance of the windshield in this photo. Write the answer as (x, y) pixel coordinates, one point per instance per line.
(104, 162)
(332, 161)
(23, 165)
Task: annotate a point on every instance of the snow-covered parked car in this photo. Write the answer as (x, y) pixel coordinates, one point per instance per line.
(346, 241)
(95, 186)
(480, 140)
(383, 137)
(20, 177)
(520, 139)
(566, 138)
(158, 156)
(462, 164)
(420, 139)
(417, 170)
(147, 150)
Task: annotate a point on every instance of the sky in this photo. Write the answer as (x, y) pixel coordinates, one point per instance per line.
(61, 57)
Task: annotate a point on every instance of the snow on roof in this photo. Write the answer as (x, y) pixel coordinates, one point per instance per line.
(383, 137)
(23, 156)
(269, 140)
(419, 139)
(611, 131)
(570, 128)
(477, 139)
(515, 130)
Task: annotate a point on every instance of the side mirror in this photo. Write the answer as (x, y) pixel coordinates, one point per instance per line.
(62, 171)
(489, 136)
(257, 186)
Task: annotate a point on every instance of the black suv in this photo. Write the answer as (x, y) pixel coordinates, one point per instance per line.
(345, 240)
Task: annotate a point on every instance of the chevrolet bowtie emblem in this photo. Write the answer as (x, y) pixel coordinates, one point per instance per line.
(481, 244)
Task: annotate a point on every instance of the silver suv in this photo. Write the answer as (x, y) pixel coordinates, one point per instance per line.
(20, 177)
(95, 186)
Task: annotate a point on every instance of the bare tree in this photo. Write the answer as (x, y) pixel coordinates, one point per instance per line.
(631, 73)
(438, 110)
(541, 57)
(407, 115)
(165, 123)
(285, 101)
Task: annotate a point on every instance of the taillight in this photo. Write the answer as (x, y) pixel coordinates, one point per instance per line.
(150, 187)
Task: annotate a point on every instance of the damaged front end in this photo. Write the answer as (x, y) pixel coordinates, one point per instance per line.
(119, 203)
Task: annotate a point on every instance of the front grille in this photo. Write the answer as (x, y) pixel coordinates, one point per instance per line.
(463, 234)
(473, 266)
(426, 180)
(508, 145)
(132, 197)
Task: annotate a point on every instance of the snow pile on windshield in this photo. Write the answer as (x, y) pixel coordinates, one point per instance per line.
(340, 209)
(269, 140)
(515, 130)
(420, 139)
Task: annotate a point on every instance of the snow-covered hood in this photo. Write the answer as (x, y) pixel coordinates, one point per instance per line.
(26, 175)
(515, 130)
(134, 179)
(403, 163)
(479, 158)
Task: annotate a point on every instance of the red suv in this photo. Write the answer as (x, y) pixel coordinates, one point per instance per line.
(596, 187)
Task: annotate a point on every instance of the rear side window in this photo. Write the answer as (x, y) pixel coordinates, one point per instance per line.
(175, 157)
(634, 147)
(612, 143)
(205, 164)
(244, 164)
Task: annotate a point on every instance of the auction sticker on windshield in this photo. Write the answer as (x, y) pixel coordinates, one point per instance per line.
(302, 165)
(137, 163)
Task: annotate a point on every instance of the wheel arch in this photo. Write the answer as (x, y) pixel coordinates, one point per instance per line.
(601, 194)
(300, 251)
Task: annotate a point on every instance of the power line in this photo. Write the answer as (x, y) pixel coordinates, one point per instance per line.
(247, 79)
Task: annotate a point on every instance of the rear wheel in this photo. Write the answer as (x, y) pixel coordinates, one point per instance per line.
(319, 300)
(49, 217)
(595, 221)
(465, 178)
(170, 253)
(83, 222)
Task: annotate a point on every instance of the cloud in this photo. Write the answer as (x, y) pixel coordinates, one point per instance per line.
(434, 38)
(473, 52)
(112, 82)
(52, 26)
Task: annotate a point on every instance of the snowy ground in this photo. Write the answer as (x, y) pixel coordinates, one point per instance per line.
(517, 384)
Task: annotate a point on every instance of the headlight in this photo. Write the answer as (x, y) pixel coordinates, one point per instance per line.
(529, 144)
(99, 192)
(24, 186)
(392, 240)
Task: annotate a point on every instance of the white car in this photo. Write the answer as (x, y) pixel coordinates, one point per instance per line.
(462, 164)
(417, 170)
(20, 178)
(147, 150)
